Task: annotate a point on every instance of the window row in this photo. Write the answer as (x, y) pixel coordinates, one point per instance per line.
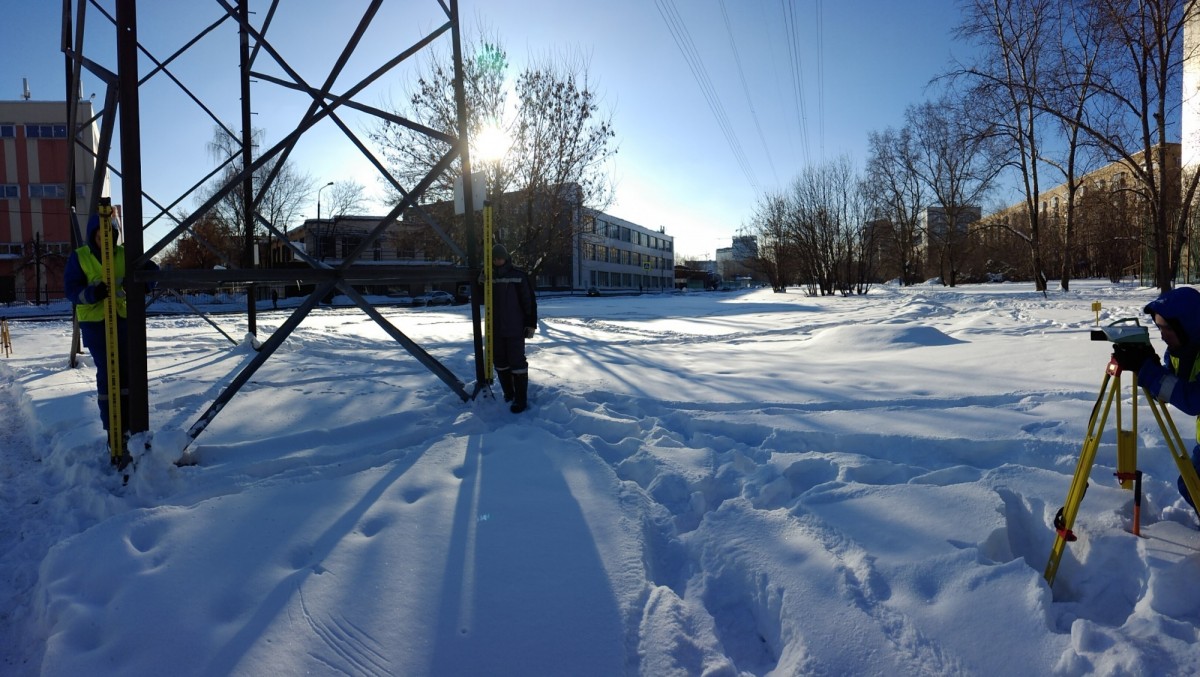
(12, 191)
(9, 131)
(592, 252)
(626, 234)
(600, 278)
(11, 249)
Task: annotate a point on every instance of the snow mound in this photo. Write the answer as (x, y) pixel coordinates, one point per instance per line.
(883, 336)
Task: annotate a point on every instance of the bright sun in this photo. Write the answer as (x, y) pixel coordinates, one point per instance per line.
(492, 143)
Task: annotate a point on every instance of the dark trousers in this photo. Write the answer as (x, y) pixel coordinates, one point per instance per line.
(95, 341)
(510, 354)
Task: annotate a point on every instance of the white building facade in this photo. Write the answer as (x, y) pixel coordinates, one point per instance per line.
(618, 255)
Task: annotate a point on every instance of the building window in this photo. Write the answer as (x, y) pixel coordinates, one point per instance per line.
(11, 249)
(45, 131)
(9, 191)
(47, 190)
(8, 131)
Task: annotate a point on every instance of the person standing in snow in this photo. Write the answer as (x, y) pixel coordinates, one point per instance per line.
(515, 319)
(1174, 380)
(83, 280)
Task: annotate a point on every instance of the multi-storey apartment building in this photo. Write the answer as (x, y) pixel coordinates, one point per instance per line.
(35, 235)
(1109, 217)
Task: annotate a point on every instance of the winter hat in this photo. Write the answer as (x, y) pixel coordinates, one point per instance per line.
(93, 227)
(1180, 307)
(499, 252)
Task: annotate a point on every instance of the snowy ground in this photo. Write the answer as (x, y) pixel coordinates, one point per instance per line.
(709, 483)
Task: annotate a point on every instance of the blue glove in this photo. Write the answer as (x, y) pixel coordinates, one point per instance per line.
(99, 292)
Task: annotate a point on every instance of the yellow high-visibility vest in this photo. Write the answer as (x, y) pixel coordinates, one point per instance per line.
(94, 312)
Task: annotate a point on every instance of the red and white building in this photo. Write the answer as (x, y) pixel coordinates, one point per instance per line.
(35, 236)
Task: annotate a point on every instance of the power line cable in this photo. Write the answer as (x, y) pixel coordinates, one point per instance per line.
(683, 41)
(791, 28)
(821, 76)
(746, 90)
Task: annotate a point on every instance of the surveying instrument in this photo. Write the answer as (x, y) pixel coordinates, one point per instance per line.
(1124, 334)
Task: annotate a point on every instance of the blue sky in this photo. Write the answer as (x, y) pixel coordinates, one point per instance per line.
(860, 65)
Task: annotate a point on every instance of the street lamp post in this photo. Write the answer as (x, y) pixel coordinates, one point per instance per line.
(319, 198)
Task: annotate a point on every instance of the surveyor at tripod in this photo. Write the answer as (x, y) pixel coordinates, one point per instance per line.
(85, 288)
(1176, 379)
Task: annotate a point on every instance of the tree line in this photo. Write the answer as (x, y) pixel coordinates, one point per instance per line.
(1058, 90)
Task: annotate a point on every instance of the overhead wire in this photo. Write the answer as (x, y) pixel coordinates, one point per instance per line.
(821, 76)
(683, 41)
(746, 90)
(791, 29)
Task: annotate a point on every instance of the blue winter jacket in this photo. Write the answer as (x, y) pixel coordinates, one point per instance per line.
(1174, 380)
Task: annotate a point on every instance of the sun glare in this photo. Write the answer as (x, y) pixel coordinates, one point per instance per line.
(492, 143)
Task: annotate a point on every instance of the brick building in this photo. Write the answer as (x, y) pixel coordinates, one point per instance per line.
(35, 235)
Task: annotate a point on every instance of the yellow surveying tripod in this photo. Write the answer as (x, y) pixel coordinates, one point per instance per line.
(1119, 332)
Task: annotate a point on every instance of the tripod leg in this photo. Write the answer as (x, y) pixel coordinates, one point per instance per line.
(1083, 468)
(1175, 445)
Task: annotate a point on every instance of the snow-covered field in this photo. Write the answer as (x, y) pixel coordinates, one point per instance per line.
(707, 483)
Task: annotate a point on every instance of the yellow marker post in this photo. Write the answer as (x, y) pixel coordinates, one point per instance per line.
(116, 441)
(5, 339)
(488, 273)
(1096, 309)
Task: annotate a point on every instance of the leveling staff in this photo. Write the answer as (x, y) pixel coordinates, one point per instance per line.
(83, 281)
(1175, 380)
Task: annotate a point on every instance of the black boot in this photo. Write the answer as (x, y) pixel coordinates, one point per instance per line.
(505, 377)
(520, 392)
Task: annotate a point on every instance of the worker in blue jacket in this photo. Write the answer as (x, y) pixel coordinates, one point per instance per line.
(1173, 380)
(83, 281)
(515, 320)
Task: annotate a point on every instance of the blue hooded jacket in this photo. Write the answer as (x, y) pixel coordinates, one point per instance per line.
(1174, 379)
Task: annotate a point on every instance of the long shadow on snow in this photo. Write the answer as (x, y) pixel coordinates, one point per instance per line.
(534, 586)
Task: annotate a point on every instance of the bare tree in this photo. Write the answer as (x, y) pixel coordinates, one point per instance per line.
(346, 197)
(1015, 37)
(411, 154)
(823, 220)
(561, 141)
(776, 252)
(279, 203)
(555, 166)
(957, 160)
(897, 195)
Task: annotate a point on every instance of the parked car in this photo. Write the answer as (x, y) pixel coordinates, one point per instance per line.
(592, 291)
(434, 298)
